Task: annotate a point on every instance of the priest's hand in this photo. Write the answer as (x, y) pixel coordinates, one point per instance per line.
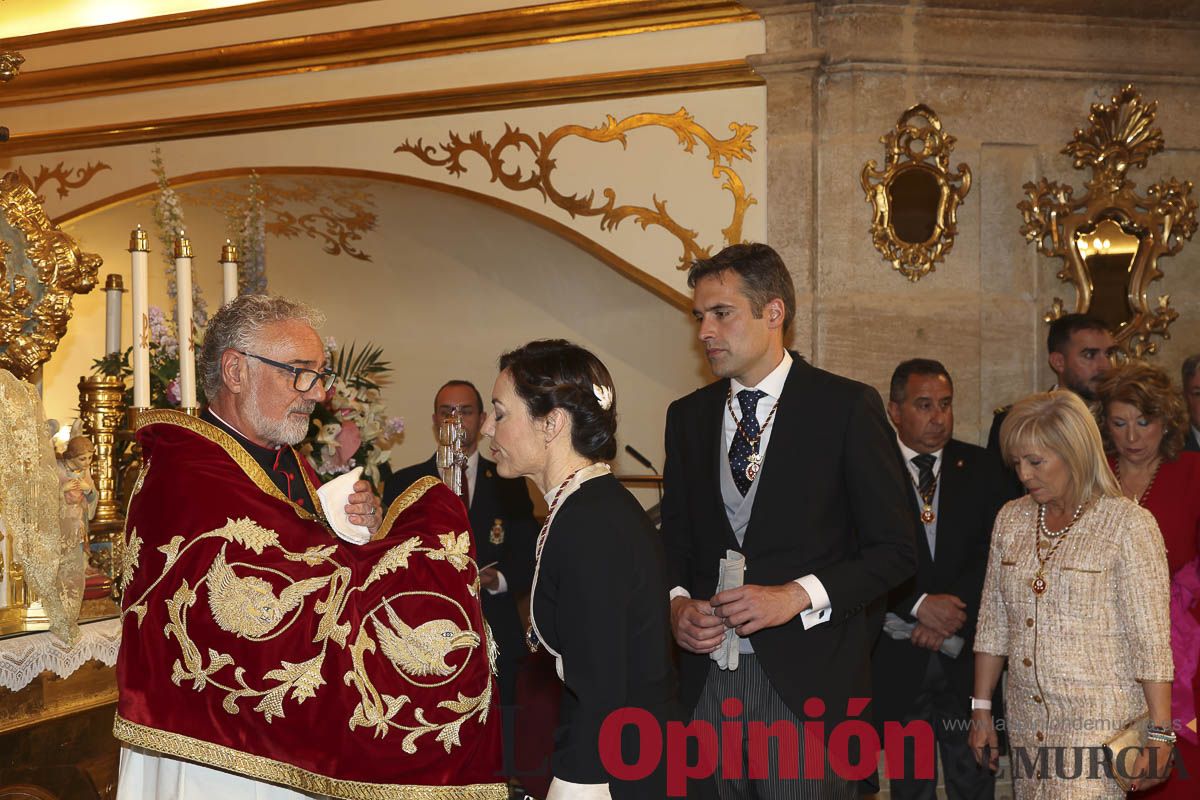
(363, 507)
(750, 608)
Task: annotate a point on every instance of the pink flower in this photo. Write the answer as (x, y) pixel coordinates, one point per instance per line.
(174, 395)
(349, 439)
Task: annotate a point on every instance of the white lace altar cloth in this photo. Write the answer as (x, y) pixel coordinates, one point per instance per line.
(23, 658)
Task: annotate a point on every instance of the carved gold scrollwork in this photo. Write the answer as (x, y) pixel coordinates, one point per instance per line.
(915, 196)
(721, 152)
(61, 174)
(1110, 240)
(41, 269)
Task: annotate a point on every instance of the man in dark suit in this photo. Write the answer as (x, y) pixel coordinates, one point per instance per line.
(504, 529)
(1191, 393)
(796, 469)
(923, 661)
(1080, 349)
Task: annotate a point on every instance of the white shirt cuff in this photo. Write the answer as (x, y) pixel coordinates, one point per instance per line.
(820, 611)
(678, 591)
(917, 604)
(501, 587)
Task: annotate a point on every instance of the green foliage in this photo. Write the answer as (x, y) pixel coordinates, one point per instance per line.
(360, 369)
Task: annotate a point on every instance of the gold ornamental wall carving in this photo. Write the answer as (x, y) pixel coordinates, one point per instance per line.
(722, 153)
(334, 212)
(915, 196)
(41, 269)
(67, 178)
(1111, 238)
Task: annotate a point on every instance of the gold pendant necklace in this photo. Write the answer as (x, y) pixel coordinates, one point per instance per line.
(754, 460)
(1038, 583)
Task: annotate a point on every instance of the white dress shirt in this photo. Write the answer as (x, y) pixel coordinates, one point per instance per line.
(772, 387)
(909, 454)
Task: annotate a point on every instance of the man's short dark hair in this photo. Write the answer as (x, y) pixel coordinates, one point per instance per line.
(1190, 365)
(915, 366)
(1063, 328)
(763, 273)
(469, 385)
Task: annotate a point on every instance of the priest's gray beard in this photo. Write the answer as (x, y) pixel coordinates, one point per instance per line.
(290, 430)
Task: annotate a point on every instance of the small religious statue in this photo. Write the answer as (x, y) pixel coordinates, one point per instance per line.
(78, 488)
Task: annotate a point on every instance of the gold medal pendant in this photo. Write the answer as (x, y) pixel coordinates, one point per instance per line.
(753, 467)
(1038, 584)
(927, 515)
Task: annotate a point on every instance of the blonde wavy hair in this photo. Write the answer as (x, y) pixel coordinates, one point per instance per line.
(1059, 421)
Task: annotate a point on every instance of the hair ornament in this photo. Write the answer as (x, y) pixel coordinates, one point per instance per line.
(604, 396)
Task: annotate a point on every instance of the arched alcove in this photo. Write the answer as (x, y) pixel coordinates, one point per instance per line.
(443, 282)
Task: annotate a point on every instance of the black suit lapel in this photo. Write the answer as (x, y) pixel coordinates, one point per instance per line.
(784, 464)
(714, 422)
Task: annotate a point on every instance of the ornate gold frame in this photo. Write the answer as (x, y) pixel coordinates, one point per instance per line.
(914, 260)
(35, 302)
(1120, 137)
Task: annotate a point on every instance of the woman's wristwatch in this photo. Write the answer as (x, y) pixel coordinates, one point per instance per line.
(980, 705)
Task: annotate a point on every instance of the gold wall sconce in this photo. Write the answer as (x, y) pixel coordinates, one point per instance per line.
(915, 196)
(1111, 239)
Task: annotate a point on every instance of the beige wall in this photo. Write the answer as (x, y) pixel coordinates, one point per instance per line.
(452, 283)
(1011, 86)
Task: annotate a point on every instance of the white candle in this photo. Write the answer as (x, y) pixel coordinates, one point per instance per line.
(139, 256)
(113, 289)
(183, 321)
(229, 271)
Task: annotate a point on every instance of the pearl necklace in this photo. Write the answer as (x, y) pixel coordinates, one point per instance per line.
(1049, 534)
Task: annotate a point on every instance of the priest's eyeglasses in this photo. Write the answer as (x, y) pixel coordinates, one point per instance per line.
(303, 380)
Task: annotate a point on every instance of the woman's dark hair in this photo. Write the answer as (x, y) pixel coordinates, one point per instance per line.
(554, 373)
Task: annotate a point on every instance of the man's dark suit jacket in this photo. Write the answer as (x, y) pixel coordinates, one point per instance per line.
(496, 500)
(832, 501)
(974, 485)
(1190, 443)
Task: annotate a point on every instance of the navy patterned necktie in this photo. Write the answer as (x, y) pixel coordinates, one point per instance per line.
(924, 463)
(745, 438)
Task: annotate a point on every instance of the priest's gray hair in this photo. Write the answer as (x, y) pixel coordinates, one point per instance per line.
(237, 326)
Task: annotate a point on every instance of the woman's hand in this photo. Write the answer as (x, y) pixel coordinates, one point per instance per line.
(983, 741)
(1157, 755)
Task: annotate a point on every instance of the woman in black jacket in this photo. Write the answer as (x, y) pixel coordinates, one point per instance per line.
(599, 598)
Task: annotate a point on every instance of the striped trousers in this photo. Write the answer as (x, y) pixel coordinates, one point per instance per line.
(749, 684)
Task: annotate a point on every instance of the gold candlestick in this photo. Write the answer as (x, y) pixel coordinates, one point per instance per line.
(102, 412)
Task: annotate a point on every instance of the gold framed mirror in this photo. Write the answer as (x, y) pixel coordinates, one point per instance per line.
(915, 196)
(41, 269)
(1111, 239)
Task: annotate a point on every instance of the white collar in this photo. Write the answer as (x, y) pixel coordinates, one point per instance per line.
(772, 385)
(909, 454)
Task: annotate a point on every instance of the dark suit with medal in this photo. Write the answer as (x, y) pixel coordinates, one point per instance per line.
(504, 529)
(954, 518)
(828, 503)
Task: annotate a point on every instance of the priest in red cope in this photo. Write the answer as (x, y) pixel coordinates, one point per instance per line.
(265, 652)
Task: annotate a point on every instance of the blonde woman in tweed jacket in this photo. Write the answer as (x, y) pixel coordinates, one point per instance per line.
(1076, 599)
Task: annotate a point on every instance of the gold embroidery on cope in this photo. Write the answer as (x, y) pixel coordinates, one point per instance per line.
(267, 769)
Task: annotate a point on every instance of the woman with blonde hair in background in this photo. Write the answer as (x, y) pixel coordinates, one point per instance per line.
(1076, 599)
(1144, 420)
